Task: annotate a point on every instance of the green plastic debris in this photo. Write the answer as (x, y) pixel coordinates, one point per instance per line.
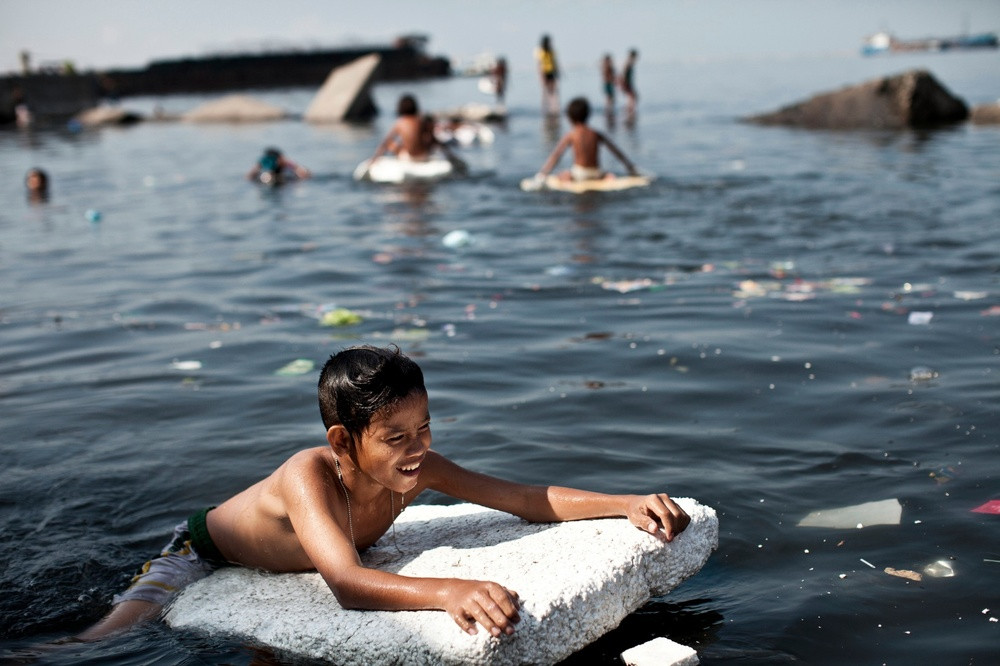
(340, 317)
(299, 366)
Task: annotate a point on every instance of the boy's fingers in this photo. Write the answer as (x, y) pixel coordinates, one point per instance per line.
(465, 623)
(671, 517)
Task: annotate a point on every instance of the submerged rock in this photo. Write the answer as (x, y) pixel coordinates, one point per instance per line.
(913, 99)
(986, 114)
(106, 115)
(235, 109)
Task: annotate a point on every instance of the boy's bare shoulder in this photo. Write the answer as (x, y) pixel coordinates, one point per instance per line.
(313, 463)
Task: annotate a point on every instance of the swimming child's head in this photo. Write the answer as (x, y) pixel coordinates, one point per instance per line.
(360, 383)
(407, 106)
(36, 181)
(578, 110)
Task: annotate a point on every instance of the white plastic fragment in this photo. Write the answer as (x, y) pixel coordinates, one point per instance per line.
(940, 569)
(920, 318)
(457, 238)
(883, 512)
(660, 652)
(186, 365)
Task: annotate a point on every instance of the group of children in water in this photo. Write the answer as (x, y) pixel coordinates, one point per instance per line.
(327, 504)
(412, 138)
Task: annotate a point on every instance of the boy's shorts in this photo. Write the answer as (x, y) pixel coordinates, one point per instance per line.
(585, 173)
(189, 556)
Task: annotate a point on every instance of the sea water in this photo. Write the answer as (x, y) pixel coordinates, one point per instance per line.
(785, 321)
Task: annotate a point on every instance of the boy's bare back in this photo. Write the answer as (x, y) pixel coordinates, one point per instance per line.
(411, 136)
(254, 527)
(585, 142)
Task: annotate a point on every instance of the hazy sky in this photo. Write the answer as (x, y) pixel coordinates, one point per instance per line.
(126, 33)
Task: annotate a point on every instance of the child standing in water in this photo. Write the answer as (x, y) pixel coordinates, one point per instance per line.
(548, 70)
(585, 141)
(628, 83)
(325, 504)
(608, 80)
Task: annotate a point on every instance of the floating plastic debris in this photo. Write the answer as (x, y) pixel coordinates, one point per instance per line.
(93, 215)
(993, 506)
(299, 366)
(884, 512)
(660, 652)
(627, 286)
(939, 569)
(992, 311)
(904, 573)
(457, 238)
(920, 318)
(922, 373)
(944, 474)
(340, 317)
(186, 365)
(971, 295)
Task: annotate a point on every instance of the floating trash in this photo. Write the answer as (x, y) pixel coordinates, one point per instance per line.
(920, 318)
(922, 373)
(299, 366)
(993, 506)
(627, 286)
(340, 317)
(186, 365)
(93, 215)
(457, 238)
(940, 569)
(884, 512)
(904, 573)
(971, 295)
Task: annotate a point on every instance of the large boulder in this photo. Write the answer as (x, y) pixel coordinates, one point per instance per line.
(346, 93)
(986, 114)
(913, 99)
(235, 109)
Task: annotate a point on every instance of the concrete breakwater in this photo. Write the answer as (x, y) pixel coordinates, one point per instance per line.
(63, 95)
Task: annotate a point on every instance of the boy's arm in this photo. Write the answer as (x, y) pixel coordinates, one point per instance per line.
(619, 154)
(657, 513)
(312, 508)
(556, 154)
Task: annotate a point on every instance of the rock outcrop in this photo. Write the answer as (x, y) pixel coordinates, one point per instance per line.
(346, 93)
(913, 99)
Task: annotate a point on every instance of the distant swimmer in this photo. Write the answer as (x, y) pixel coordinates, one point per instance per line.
(36, 183)
(585, 142)
(273, 168)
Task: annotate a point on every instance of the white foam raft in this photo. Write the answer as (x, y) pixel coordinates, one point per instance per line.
(576, 581)
(389, 169)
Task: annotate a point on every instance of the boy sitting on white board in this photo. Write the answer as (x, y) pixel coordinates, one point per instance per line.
(585, 141)
(325, 504)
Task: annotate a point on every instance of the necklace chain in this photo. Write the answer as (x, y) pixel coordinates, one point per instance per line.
(350, 518)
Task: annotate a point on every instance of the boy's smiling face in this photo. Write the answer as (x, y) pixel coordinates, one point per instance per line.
(394, 444)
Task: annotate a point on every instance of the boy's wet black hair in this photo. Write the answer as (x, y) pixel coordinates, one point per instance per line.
(407, 106)
(358, 383)
(578, 110)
